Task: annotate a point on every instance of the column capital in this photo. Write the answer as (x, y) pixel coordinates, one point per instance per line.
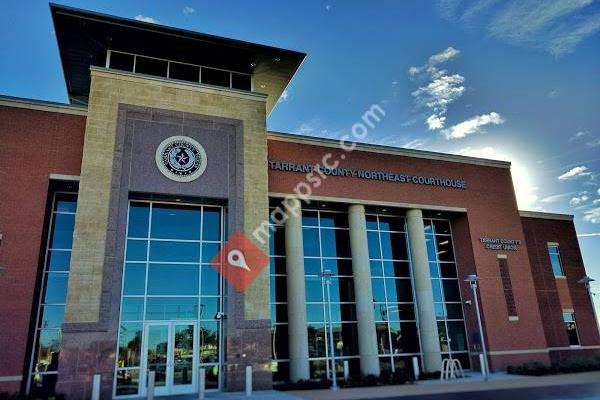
(356, 208)
(414, 213)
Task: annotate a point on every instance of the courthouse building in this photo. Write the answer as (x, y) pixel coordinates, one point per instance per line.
(114, 206)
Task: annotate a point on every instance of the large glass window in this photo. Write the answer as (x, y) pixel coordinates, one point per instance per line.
(393, 297)
(446, 290)
(571, 327)
(167, 277)
(327, 247)
(279, 321)
(50, 316)
(555, 260)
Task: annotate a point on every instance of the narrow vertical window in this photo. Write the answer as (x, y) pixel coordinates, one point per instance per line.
(509, 296)
(393, 299)
(279, 323)
(571, 327)
(555, 260)
(446, 290)
(51, 311)
(326, 242)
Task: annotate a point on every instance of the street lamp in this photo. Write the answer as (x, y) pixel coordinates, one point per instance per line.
(473, 279)
(586, 281)
(326, 276)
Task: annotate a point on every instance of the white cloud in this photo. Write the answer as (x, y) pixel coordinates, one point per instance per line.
(574, 173)
(305, 128)
(144, 18)
(598, 192)
(414, 144)
(412, 71)
(443, 56)
(187, 10)
(435, 122)
(596, 202)
(474, 10)
(592, 215)
(556, 26)
(552, 94)
(593, 143)
(571, 36)
(521, 176)
(400, 141)
(579, 135)
(438, 94)
(584, 235)
(556, 197)
(576, 201)
(472, 125)
(284, 96)
(442, 88)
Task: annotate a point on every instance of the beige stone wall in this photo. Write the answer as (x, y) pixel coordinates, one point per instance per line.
(108, 89)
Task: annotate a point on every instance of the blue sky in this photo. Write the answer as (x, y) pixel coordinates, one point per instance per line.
(516, 80)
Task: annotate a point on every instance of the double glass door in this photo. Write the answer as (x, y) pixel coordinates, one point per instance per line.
(170, 351)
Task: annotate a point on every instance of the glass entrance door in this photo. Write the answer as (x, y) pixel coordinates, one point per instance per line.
(169, 352)
(168, 285)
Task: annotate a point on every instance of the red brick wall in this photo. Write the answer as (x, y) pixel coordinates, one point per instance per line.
(491, 211)
(553, 294)
(33, 144)
(465, 265)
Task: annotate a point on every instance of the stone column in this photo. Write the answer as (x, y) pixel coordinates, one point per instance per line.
(367, 335)
(296, 293)
(430, 343)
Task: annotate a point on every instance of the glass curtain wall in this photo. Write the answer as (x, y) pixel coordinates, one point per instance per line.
(393, 296)
(327, 247)
(446, 291)
(167, 277)
(51, 311)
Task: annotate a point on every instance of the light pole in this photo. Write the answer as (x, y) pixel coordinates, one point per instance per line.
(586, 281)
(326, 276)
(472, 279)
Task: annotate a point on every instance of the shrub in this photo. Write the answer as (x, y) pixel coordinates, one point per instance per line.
(560, 367)
(399, 377)
(17, 396)
(425, 376)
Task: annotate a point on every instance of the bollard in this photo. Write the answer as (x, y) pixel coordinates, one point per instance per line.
(96, 387)
(346, 370)
(415, 365)
(202, 384)
(248, 381)
(484, 371)
(150, 390)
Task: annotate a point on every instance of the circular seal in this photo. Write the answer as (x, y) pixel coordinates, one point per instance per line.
(181, 158)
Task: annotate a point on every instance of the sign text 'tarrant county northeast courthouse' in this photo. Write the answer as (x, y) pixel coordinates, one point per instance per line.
(368, 174)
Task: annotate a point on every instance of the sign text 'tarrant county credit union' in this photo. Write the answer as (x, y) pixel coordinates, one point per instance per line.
(370, 174)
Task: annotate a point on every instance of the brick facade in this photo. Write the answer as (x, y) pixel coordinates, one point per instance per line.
(34, 144)
(564, 293)
(479, 210)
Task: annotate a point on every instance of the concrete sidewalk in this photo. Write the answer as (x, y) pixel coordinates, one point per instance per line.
(472, 382)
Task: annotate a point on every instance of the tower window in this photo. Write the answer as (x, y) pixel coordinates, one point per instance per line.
(571, 326)
(215, 77)
(151, 66)
(555, 260)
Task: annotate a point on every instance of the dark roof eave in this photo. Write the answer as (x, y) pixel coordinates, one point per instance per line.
(168, 30)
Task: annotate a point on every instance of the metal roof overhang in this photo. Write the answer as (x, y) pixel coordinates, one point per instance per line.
(84, 37)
